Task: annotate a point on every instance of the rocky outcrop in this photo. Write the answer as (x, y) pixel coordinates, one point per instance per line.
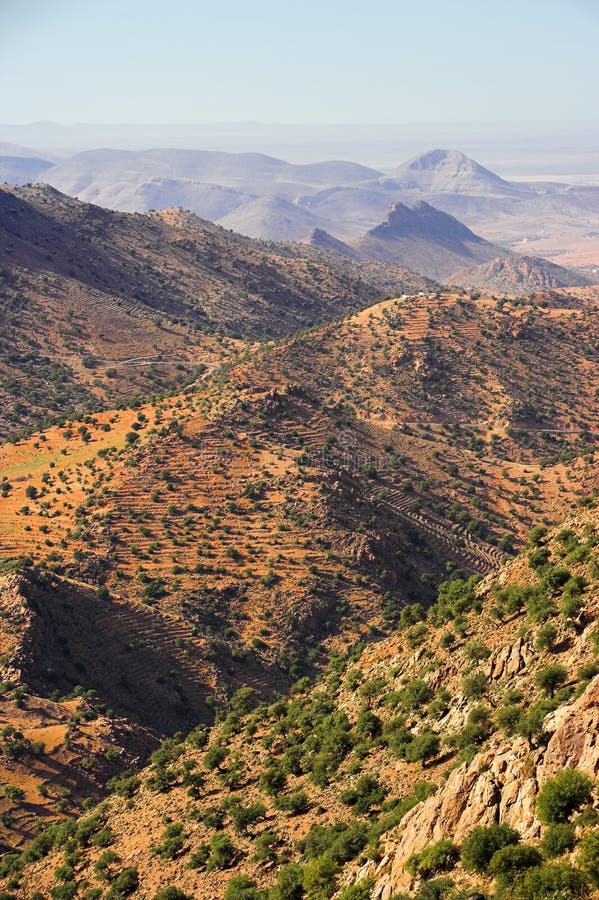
(499, 785)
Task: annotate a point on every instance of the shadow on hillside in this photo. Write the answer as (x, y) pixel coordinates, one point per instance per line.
(132, 657)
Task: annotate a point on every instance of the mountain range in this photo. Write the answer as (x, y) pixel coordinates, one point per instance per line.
(268, 198)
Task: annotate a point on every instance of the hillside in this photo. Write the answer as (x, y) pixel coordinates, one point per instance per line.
(243, 531)
(437, 244)
(452, 172)
(516, 275)
(102, 307)
(390, 775)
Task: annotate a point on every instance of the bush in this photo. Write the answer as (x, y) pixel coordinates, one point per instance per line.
(222, 852)
(423, 747)
(360, 891)
(320, 877)
(509, 718)
(289, 884)
(563, 795)
(366, 794)
(551, 881)
(546, 635)
(551, 678)
(416, 694)
(124, 884)
(557, 840)
(475, 686)
(435, 858)
(481, 844)
(509, 861)
(240, 887)
(588, 856)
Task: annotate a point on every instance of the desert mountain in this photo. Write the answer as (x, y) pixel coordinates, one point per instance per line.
(437, 244)
(270, 215)
(517, 275)
(322, 240)
(452, 172)
(99, 307)
(114, 177)
(433, 241)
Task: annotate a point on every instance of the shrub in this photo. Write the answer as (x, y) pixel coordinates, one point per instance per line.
(551, 678)
(509, 718)
(546, 635)
(557, 840)
(366, 794)
(551, 881)
(482, 843)
(588, 856)
(416, 694)
(509, 861)
(222, 852)
(173, 840)
(125, 883)
(423, 747)
(475, 686)
(320, 878)
(240, 887)
(360, 891)
(562, 795)
(435, 858)
(289, 884)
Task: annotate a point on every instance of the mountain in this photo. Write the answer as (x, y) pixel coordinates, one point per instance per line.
(440, 246)
(424, 238)
(102, 307)
(246, 530)
(452, 172)
(322, 240)
(517, 274)
(389, 775)
(108, 175)
(270, 218)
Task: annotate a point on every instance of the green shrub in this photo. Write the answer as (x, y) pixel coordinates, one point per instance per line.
(545, 638)
(320, 878)
(125, 883)
(366, 793)
(360, 891)
(475, 686)
(507, 862)
(289, 884)
(557, 840)
(240, 887)
(551, 678)
(171, 893)
(563, 795)
(588, 856)
(423, 747)
(222, 852)
(433, 859)
(551, 881)
(482, 843)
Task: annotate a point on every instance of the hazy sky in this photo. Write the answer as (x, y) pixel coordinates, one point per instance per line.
(315, 61)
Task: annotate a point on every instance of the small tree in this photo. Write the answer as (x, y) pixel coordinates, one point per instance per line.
(481, 844)
(562, 795)
(551, 678)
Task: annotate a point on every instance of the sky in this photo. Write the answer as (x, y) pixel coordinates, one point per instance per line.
(311, 62)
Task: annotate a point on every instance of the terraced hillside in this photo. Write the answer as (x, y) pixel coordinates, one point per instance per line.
(101, 308)
(292, 504)
(457, 758)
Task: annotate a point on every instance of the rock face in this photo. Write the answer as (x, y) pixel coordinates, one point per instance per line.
(499, 785)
